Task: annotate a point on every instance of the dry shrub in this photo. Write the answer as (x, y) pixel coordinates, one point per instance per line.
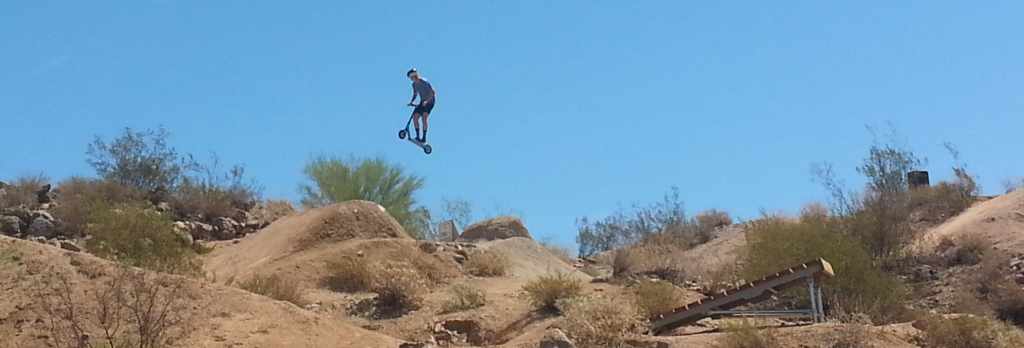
(487, 263)
(273, 210)
(814, 210)
(431, 267)
(968, 249)
(544, 291)
(464, 297)
(654, 298)
(1008, 302)
(708, 222)
(276, 287)
(851, 336)
(992, 272)
(78, 197)
(22, 191)
(652, 259)
(209, 199)
(718, 278)
(561, 252)
(599, 322)
(968, 331)
(349, 274)
(132, 309)
(398, 286)
(745, 334)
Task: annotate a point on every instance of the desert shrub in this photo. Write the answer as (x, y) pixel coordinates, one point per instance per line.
(561, 252)
(851, 336)
(969, 332)
(718, 278)
(487, 263)
(398, 285)
(651, 259)
(464, 297)
(653, 298)
(745, 334)
(1008, 303)
(814, 211)
(212, 196)
(140, 237)
(708, 222)
(272, 210)
(599, 322)
(626, 227)
(141, 160)
(131, 309)
(22, 191)
(274, 286)
(333, 180)
(774, 244)
(349, 274)
(79, 196)
(968, 249)
(545, 290)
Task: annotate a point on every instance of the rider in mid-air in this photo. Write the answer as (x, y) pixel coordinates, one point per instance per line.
(426, 92)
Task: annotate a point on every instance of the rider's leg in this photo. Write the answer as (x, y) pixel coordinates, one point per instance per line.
(425, 114)
(416, 121)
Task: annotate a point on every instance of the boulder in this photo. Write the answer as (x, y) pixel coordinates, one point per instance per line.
(163, 207)
(43, 195)
(70, 246)
(185, 237)
(225, 228)
(555, 338)
(504, 227)
(42, 214)
(201, 231)
(10, 225)
(41, 227)
(21, 213)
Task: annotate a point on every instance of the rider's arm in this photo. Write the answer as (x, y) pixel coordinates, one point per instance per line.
(413, 97)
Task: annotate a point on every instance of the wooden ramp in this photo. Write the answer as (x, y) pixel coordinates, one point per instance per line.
(753, 292)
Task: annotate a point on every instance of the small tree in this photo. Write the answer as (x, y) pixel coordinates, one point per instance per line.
(371, 179)
(141, 160)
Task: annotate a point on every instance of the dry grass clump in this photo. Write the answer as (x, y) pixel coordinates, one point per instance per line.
(745, 334)
(464, 297)
(546, 290)
(398, 285)
(273, 210)
(22, 191)
(966, 249)
(654, 298)
(349, 274)
(487, 263)
(599, 322)
(968, 332)
(851, 336)
(276, 287)
(652, 259)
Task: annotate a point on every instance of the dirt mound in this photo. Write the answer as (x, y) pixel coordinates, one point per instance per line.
(495, 229)
(1000, 218)
(220, 316)
(313, 232)
(530, 259)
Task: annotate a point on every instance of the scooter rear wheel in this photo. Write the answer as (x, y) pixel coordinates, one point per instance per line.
(401, 134)
(427, 149)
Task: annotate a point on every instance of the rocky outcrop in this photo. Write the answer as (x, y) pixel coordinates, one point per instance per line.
(504, 227)
(555, 338)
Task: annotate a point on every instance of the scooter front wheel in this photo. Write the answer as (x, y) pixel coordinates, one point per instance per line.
(401, 134)
(427, 149)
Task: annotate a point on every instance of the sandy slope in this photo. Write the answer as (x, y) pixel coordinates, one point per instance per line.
(223, 316)
(1000, 218)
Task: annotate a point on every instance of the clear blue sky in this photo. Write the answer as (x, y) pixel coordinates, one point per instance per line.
(555, 109)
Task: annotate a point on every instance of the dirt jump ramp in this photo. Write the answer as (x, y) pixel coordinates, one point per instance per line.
(752, 292)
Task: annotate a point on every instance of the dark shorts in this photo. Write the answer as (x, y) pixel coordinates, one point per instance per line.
(420, 109)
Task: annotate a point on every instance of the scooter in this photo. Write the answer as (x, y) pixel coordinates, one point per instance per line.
(405, 132)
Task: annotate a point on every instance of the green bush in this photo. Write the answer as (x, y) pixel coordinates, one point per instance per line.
(274, 286)
(464, 297)
(141, 160)
(969, 332)
(141, 237)
(79, 196)
(333, 180)
(774, 244)
(545, 290)
(599, 322)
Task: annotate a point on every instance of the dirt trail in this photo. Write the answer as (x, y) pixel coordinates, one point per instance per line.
(1000, 218)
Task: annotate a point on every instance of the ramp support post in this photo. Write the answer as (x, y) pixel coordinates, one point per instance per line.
(814, 303)
(821, 306)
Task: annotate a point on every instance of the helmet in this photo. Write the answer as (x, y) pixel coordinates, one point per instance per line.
(411, 72)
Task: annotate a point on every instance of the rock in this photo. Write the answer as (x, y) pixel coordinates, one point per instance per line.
(185, 237)
(70, 246)
(255, 225)
(53, 242)
(201, 231)
(417, 345)
(180, 226)
(41, 227)
(163, 207)
(428, 247)
(494, 229)
(10, 225)
(555, 338)
(21, 213)
(40, 240)
(42, 214)
(225, 228)
(241, 215)
(459, 258)
(43, 195)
